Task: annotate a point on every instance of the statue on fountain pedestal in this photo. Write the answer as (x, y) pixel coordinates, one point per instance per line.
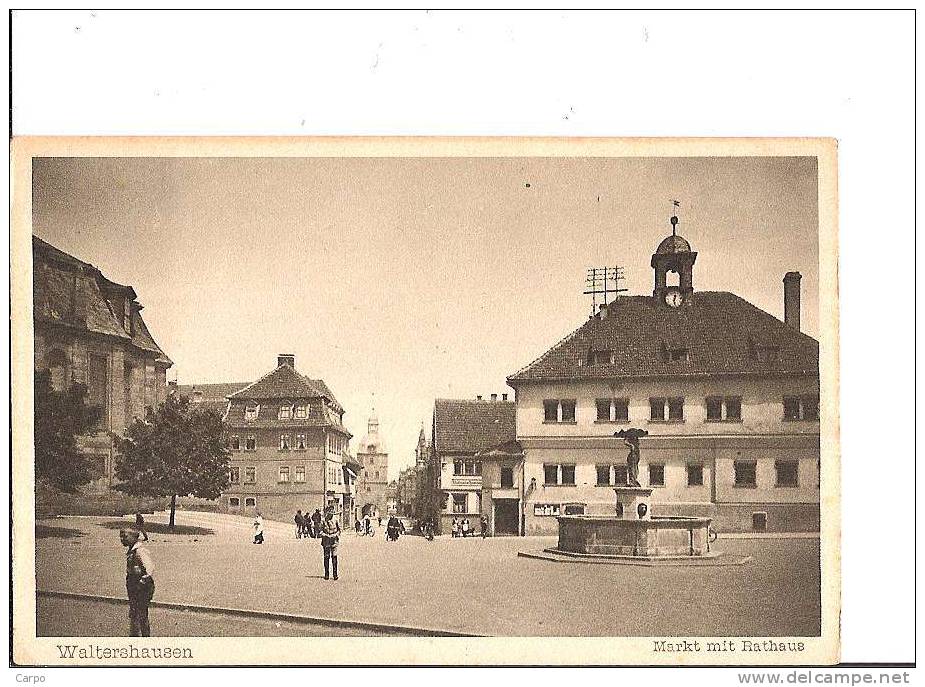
(631, 440)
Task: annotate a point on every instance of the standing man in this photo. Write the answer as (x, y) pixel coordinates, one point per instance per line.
(299, 524)
(330, 536)
(258, 529)
(484, 525)
(139, 582)
(316, 523)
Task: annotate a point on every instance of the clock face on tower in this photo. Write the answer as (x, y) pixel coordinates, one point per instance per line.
(673, 298)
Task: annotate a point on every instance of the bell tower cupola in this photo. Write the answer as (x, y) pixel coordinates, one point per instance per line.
(674, 256)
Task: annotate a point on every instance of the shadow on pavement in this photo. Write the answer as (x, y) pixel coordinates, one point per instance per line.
(158, 528)
(46, 531)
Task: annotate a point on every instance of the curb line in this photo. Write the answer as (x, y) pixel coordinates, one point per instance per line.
(267, 615)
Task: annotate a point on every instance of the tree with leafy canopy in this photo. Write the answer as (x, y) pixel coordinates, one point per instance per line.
(60, 417)
(177, 450)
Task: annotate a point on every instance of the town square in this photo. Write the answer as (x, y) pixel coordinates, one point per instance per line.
(263, 452)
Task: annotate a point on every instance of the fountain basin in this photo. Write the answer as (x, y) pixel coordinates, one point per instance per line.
(654, 537)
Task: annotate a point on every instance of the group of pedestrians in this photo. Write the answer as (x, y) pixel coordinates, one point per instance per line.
(308, 525)
(462, 528)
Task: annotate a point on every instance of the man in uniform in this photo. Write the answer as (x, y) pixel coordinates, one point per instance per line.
(139, 582)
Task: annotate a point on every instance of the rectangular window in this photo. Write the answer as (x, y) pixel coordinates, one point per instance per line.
(676, 409)
(656, 475)
(787, 472)
(250, 444)
(284, 473)
(568, 411)
(734, 408)
(458, 467)
(459, 503)
(791, 407)
(550, 411)
(299, 442)
(250, 475)
(507, 478)
(603, 409)
(98, 387)
(603, 475)
(285, 412)
(810, 407)
(283, 442)
(574, 508)
(621, 408)
(745, 473)
(299, 473)
(657, 409)
(234, 475)
(550, 474)
(694, 475)
(235, 443)
(724, 409)
(546, 509)
(600, 358)
(620, 475)
(234, 502)
(714, 409)
(250, 502)
(251, 411)
(568, 474)
(301, 412)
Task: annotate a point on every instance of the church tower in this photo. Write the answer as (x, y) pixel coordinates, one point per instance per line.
(673, 256)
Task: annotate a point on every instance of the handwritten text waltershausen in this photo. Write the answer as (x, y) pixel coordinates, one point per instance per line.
(662, 646)
(102, 652)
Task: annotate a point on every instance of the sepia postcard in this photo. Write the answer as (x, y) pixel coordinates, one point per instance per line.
(424, 401)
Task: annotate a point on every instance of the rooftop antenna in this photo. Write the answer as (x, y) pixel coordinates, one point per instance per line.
(603, 281)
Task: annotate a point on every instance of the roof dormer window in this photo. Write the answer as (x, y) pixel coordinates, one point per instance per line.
(679, 355)
(600, 357)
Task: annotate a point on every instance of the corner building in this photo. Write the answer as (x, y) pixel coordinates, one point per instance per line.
(728, 393)
(289, 447)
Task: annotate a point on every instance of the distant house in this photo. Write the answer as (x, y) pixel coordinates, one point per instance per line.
(289, 447)
(89, 330)
(462, 430)
(728, 393)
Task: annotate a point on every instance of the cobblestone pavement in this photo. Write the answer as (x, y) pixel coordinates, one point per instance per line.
(463, 585)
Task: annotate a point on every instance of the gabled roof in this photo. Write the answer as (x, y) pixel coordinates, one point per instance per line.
(464, 426)
(720, 331)
(285, 383)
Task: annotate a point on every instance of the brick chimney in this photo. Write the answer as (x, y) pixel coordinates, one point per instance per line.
(792, 299)
(494, 397)
(285, 359)
(503, 397)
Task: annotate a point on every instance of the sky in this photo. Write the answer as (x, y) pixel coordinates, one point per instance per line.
(403, 280)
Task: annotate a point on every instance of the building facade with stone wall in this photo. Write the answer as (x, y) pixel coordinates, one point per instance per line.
(89, 330)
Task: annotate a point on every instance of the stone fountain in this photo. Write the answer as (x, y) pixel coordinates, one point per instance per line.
(632, 532)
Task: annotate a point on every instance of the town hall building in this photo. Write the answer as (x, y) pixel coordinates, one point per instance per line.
(728, 394)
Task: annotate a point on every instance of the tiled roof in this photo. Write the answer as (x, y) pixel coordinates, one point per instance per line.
(212, 392)
(83, 305)
(463, 426)
(721, 332)
(285, 383)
